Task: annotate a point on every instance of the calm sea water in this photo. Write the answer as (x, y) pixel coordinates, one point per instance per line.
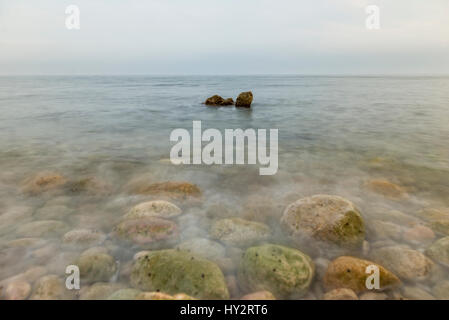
(335, 133)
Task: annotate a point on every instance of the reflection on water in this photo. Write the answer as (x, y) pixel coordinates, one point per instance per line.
(380, 142)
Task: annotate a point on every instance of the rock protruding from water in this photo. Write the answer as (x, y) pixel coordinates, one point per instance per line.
(283, 271)
(244, 100)
(173, 271)
(218, 101)
(327, 218)
(350, 273)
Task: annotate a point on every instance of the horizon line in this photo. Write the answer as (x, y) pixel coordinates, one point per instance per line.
(226, 75)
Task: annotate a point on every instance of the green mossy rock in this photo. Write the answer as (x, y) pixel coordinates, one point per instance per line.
(327, 218)
(173, 271)
(286, 272)
(96, 266)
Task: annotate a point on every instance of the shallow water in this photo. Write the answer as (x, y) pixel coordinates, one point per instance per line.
(335, 134)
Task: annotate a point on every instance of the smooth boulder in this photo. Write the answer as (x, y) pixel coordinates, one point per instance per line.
(96, 266)
(148, 232)
(244, 99)
(239, 232)
(327, 218)
(173, 271)
(439, 251)
(283, 271)
(407, 264)
(349, 272)
(158, 209)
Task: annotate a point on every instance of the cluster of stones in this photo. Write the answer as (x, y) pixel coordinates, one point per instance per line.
(325, 248)
(244, 100)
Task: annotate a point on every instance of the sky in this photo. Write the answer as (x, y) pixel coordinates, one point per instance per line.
(224, 37)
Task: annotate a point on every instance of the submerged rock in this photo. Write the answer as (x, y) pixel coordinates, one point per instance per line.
(52, 212)
(437, 219)
(261, 209)
(17, 290)
(125, 294)
(95, 267)
(441, 290)
(43, 228)
(407, 264)
(50, 287)
(84, 237)
(373, 296)
(159, 209)
(340, 294)
(43, 182)
(14, 215)
(415, 293)
(260, 295)
(204, 248)
(386, 188)
(163, 296)
(171, 189)
(149, 232)
(244, 99)
(350, 273)
(286, 272)
(439, 251)
(382, 230)
(173, 271)
(89, 185)
(98, 291)
(326, 218)
(31, 243)
(216, 100)
(418, 234)
(238, 232)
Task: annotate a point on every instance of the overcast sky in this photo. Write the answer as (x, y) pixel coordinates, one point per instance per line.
(224, 37)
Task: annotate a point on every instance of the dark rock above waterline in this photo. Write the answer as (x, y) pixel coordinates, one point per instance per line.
(216, 100)
(243, 100)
